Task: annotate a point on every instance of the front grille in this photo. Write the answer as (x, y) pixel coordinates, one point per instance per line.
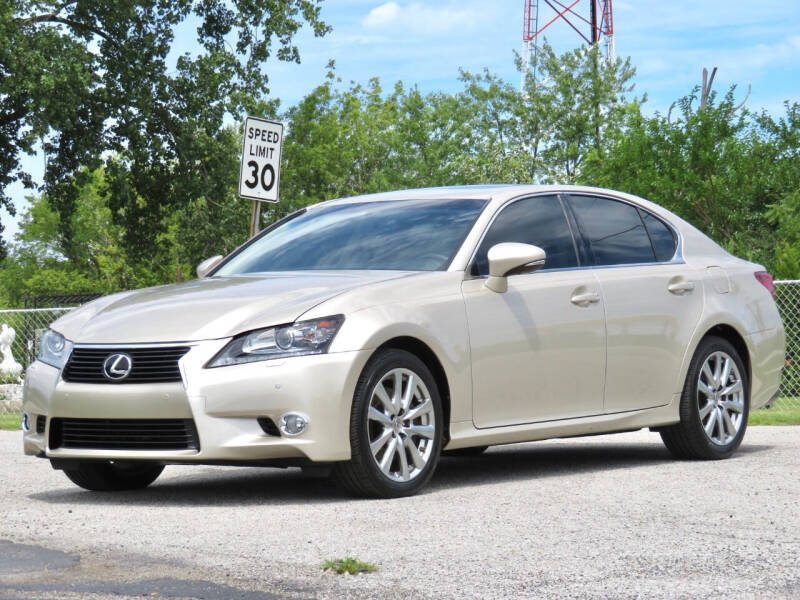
(41, 422)
(124, 434)
(156, 364)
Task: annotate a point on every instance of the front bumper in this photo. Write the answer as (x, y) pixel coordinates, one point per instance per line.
(223, 402)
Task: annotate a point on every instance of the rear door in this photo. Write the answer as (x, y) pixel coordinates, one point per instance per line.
(652, 299)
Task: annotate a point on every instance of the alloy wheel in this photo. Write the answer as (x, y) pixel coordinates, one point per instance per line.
(720, 398)
(401, 424)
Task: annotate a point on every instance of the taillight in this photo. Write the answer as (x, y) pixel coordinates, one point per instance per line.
(765, 279)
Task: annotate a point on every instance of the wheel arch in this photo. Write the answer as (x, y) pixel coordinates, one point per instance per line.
(729, 333)
(426, 354)
(726, 331)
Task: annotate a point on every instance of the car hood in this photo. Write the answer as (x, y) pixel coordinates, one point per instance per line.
(212, 308)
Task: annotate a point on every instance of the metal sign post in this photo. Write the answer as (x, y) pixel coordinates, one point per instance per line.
(260, 173)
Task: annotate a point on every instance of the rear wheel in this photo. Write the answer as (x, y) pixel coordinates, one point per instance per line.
(714, 404)
(114, 476)
(395, 428)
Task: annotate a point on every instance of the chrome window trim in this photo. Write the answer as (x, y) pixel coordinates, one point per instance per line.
(677, 257)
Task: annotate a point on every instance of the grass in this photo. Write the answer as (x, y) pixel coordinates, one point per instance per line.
(10, 421)
(785, 411)
(349, 565)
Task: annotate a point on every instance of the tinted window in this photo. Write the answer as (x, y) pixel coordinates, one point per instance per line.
(663, 239)
(406, 235)
(539, 221)
(613, 230)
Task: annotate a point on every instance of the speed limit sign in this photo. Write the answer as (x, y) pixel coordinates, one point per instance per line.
(260, 174)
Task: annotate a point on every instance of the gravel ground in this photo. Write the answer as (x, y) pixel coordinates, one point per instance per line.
(609, 516)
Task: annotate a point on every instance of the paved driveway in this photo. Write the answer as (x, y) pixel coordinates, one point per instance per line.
(609, 516)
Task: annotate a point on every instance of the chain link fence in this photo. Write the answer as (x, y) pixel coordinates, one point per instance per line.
(787, 298)
(57, 300)
(30, 323)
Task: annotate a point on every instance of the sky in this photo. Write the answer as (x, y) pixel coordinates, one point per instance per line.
(425, 43)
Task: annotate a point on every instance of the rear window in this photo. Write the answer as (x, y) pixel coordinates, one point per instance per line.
(664, 242)
(613, 231)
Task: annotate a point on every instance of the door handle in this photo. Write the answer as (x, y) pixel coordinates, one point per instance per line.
(585, 299)
(681, 287)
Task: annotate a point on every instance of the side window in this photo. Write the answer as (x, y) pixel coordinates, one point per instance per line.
(539, 221)
(664, 242)
(613, 230)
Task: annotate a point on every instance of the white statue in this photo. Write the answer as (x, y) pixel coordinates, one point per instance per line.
(9, 368)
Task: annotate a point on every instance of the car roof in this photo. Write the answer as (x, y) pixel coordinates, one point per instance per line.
(500, 192)
(467, 192)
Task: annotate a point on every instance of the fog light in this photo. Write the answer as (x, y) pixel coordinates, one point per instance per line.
(26, 424)
(293, 423)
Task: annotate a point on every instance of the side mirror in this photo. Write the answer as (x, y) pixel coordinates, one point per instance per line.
(511, 258)
(205, 267)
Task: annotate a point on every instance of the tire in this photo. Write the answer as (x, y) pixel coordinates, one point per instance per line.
(704, 400)
(363, 474)
(467, 452)
(108, 476)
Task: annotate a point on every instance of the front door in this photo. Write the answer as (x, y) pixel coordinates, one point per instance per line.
(538, 350)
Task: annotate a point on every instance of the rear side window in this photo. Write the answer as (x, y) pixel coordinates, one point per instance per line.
(664, 242)
(539, 221)
(613, 231)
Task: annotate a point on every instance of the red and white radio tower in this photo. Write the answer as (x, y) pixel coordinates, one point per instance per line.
(600, 23)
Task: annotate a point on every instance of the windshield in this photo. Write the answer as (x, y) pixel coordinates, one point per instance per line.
(405, 235)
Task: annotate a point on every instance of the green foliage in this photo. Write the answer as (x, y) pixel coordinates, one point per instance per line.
(783, 412)
(166, 196)
(361, 139)
(39, 264)
(89, 76)
(349, 565)
(720, 168)
(782, 148)
(10, 421)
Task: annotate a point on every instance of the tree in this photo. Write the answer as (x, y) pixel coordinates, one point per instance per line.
(158, 206)
(360, 139)
(580, 101)
(544, 133)
(781, 149)
(718, 166)
(85, 77)
(38, 265)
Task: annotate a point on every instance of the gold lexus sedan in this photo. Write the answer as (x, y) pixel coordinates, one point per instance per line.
(371, 334)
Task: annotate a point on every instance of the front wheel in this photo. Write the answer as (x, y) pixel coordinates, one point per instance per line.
(714, 404)
(114, 476)
(396, 428)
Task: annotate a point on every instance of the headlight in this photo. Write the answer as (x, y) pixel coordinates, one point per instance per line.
(298, 339)
(54, 349)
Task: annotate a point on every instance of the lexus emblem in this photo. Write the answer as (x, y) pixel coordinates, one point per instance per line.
(117, 367)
